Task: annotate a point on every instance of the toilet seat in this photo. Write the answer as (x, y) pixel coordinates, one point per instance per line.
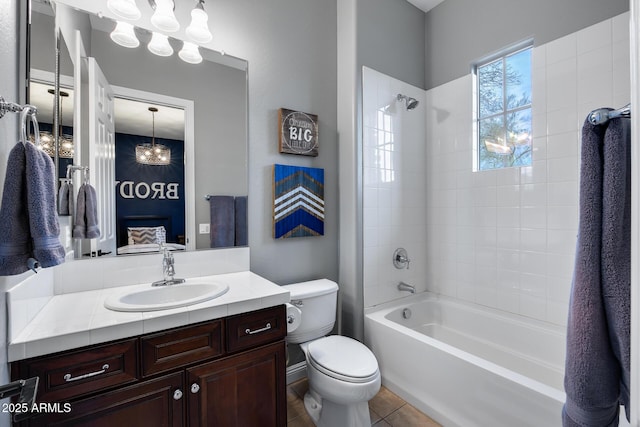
(343, 358)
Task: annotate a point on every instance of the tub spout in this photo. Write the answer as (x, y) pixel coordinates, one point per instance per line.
(406, 287)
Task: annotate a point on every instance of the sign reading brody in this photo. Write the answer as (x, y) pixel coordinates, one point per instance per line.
(298, 132)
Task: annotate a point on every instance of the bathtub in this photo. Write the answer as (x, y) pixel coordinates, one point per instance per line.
(466, 365)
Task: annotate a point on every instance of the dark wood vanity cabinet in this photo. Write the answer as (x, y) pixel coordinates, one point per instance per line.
(226, 372)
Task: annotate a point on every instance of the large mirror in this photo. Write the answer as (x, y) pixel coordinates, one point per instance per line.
(119, 106)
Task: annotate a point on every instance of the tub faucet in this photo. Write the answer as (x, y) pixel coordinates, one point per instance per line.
(168, 269)
(406, 287)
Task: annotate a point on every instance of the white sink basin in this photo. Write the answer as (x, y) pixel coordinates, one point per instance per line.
(165, 297)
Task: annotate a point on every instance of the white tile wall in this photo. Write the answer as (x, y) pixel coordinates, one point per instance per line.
(506, 238)
(394, 187)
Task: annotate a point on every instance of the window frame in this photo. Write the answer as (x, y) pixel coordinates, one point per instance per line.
(502, 56)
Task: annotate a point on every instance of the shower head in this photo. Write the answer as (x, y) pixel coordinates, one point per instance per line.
(410, 103)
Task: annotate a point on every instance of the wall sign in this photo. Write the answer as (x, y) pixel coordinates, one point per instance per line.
(298, 201)
(298, 132)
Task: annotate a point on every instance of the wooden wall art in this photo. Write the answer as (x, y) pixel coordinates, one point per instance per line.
(298, 201)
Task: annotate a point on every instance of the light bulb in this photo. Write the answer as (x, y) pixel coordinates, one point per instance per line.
(198, 30)
(163, 18)
(190, 53)
(125, 9)
(159, 45)
(123, 35)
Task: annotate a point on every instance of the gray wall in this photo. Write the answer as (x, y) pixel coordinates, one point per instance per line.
(291, 50)
(459, 32)
(390, 39)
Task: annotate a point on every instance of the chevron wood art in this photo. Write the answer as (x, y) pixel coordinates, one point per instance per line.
(298, 201)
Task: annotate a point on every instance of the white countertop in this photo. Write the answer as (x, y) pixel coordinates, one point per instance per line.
(79, 319)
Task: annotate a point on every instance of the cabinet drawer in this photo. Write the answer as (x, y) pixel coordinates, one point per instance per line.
(66, 375)
(172, 349)
(256, 328)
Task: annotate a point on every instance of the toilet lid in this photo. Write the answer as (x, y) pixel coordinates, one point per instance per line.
(343, 358)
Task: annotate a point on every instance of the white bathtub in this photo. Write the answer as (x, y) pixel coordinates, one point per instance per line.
(466, 365)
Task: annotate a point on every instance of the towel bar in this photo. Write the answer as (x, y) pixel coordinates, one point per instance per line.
(603, 115)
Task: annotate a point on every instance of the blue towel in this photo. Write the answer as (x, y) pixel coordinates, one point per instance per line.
(241, 229)
(85, 221)
(29, 230)
(222, 231)
(597, 360)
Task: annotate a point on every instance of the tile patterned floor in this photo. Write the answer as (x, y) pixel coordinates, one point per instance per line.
(386, 409)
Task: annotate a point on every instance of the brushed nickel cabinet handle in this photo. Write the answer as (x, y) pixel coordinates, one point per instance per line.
(195, 388)
(68, 378)
(177, 395)
(257, 331)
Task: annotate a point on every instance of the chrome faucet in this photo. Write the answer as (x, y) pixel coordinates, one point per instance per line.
(406, 287)
(168, 269)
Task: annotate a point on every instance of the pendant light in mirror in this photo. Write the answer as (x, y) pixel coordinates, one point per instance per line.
(163, 18)
(124, 35)
(47, 141)
(198, 30)
(125, 9)
(152, 153)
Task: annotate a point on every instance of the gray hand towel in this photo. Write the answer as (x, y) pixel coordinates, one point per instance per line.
(596, 367)
(91, 212)
(85, 222)
(43, 215)
(222, 231)
(15, 244)
(79, 221)
(241, 228)
(65, 198)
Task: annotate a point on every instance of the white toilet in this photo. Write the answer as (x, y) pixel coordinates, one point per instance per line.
(342, 372)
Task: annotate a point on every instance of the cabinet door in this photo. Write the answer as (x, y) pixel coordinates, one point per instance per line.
(247, 389)
(156, 402)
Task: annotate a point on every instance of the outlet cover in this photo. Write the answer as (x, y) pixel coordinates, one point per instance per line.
(204, 228)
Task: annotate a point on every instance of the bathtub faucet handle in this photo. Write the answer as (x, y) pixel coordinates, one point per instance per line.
(401, 258)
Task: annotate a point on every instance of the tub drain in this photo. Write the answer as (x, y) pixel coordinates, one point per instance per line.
(406, 313)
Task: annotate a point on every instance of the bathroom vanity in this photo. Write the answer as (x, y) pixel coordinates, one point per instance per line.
(226, 370)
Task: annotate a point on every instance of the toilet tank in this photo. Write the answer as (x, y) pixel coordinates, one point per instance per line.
(317, 301)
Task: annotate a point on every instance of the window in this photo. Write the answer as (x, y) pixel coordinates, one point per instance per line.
(503, 94)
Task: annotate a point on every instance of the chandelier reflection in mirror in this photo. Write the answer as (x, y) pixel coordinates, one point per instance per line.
(164, 20)
(152, 153)
(47, 141)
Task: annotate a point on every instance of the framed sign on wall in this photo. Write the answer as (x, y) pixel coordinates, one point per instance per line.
(298, 132)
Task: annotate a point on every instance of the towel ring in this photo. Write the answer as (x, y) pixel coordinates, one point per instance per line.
(29, 113)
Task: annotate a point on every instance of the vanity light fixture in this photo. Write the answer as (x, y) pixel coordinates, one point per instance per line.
(152, 153)
(159, 45)
(198, 30)
(47, 142)
(125, 9)
(190, 53)
(163, 18)
(124, 35)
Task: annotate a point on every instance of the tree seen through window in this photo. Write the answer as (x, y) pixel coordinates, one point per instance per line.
(504, 111)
